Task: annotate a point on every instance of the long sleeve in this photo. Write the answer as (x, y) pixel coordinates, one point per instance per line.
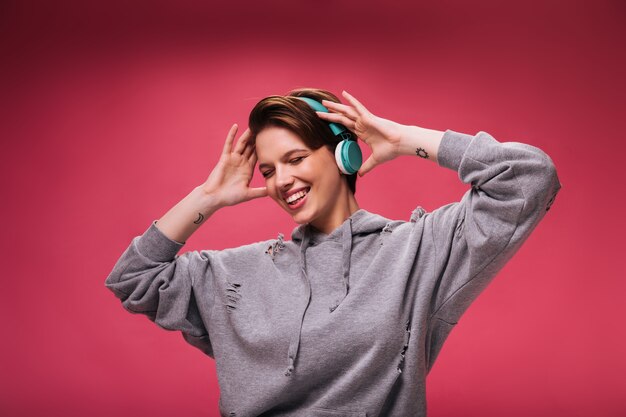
(513, 185)
(151, 279)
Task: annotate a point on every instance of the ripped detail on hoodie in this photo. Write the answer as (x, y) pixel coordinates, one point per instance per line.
(276, 247)
(417, 214)
(232, 296)
(549, 204)
(384, 232)
(407, 336)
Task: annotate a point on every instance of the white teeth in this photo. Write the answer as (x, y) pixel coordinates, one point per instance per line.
(296, 196)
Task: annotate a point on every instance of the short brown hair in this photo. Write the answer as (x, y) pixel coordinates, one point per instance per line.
(297, 116)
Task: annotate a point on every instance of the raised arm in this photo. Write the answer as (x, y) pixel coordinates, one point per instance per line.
(176, 292)
(513, 186)
(227, 185)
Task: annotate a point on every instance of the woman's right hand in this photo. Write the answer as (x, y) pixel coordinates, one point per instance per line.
(229, 181)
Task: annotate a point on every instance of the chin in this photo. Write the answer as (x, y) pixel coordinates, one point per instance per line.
(300, 218)
(304, 216)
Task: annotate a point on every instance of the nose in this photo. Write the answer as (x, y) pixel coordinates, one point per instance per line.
(284, 179)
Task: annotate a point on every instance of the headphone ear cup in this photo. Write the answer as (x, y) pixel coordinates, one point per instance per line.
(348, 156)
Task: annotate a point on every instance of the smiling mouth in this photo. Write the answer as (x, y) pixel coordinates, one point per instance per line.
(301, 195)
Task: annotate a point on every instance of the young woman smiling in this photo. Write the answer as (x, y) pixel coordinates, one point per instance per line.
(347, 317)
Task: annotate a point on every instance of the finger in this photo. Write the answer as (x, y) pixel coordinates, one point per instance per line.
(356, 103)
(257, 192)
(338, 118)
(252, 160)
(367, 166)
(229, 139)
(331, 105)
(243, 140)
(249, 150)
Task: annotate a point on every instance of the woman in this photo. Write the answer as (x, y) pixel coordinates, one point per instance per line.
(347, 317)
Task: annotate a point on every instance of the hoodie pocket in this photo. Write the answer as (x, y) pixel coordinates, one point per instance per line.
(327, 412)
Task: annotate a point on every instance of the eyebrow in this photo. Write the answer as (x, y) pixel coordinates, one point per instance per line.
(285, 156)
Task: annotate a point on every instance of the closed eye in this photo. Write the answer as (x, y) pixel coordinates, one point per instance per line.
(293, 161)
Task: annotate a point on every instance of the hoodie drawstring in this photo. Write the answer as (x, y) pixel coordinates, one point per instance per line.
(346, 243)
(295, 341)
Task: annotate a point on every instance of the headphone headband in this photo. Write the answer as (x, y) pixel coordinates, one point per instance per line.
(347, 152)
(338, 129)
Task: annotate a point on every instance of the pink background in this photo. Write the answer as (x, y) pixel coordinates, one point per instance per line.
(112, 113)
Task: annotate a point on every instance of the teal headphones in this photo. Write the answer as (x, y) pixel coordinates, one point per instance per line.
(347, 153)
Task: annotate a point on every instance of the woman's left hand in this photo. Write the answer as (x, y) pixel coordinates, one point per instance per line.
(381, 135)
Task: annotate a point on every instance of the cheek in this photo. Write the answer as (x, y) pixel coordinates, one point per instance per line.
(328, 175)
(319, 170)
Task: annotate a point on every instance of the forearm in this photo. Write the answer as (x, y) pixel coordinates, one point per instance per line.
(182, 220)
(418, 141)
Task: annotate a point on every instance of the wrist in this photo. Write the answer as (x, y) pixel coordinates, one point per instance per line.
(206, 200)
(420, 142)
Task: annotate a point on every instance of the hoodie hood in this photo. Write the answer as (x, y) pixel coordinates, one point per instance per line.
(360, 223)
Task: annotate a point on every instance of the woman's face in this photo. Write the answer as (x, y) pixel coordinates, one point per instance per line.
(289, 166)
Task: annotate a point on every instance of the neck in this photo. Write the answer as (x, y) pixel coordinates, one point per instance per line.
(344, 208)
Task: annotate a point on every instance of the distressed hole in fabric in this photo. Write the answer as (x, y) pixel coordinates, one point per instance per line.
(276, 247)
(384, 232)
(232, 296)
(407, 336)
(417, 214)
(551, 201)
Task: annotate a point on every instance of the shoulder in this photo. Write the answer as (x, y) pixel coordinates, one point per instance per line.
(417, 217)
(249, 251)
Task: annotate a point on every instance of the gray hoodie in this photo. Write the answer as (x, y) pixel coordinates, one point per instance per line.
(349, 323)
